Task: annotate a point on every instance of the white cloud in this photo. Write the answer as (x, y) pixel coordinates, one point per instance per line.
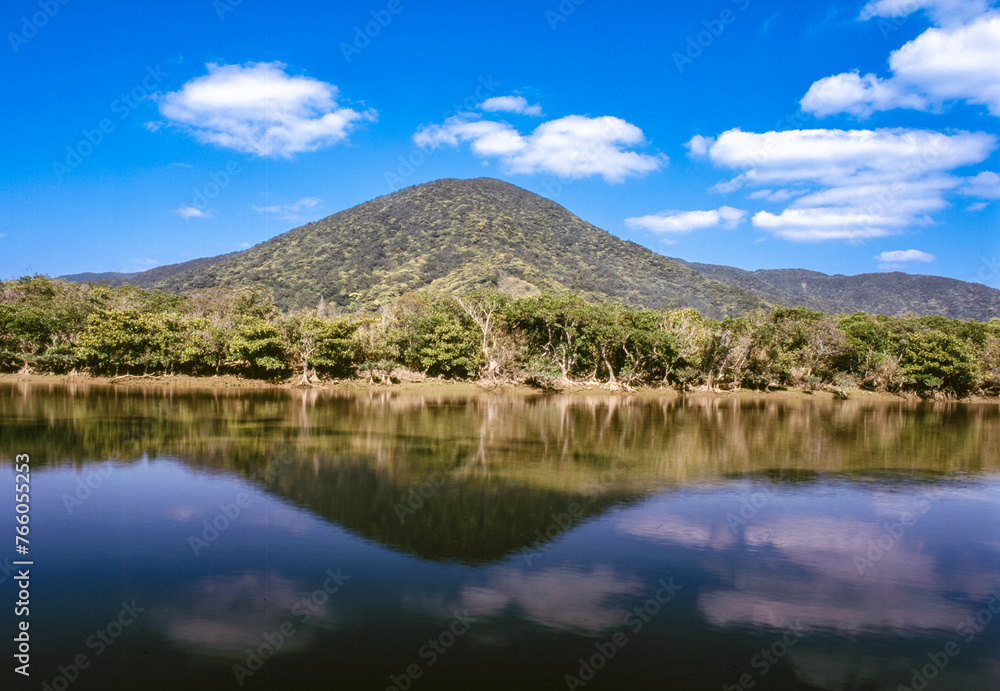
(190, 212)
(906, 256)
(257, 108)
(699, 145)
(153, 125)
(986, 185)
(686, 221)
(775, 196)
(941, 12)
(809, 225)
(848, 184)
(976, 207)
(571, 147)
(950, 63)
(291, 212)
(861, 96)
(510, 104)
(835, 157)
(244, 245)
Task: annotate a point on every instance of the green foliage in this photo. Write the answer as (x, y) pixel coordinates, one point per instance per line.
(440, 339)
(545, 339)
(258, 349)
(336, 348)
(937, 361)
(122, 341)
(553, 326)
(453, 237)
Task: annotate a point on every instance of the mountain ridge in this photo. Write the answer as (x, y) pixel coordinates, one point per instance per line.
(455, 235)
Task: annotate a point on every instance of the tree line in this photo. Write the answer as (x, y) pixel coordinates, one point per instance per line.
(545, 340)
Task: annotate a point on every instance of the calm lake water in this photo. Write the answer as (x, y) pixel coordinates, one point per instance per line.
(307, 540)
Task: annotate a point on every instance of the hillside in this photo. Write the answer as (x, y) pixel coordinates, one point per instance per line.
(456, 235)
(892, 293)
(146, 279)
(447, 236)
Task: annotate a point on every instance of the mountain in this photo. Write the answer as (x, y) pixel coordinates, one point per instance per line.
(881, 293)
(450, 236)
(146, 279)
(456, 235)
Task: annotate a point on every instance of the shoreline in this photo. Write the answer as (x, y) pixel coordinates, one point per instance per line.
(235, 384)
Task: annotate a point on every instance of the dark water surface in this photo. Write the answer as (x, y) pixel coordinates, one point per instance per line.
(390, 540)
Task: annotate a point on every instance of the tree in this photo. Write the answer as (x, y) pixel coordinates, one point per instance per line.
(486, 308)
(690, 335)
(553, 323)
(377, 344)
(121, 339)
(258, 348)
(40, 319)
(336, 351)
(651, 351)
(725, 353)
(438, 337)
(937, 361)
(300, 333)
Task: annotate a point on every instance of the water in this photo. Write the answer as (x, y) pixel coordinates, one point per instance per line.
(301, 540)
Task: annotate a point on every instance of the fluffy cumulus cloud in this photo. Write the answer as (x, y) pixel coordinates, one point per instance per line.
(956, 61)
(571, 147)
(857, 95)
(845, 184)
(258, 108)
(510, 104)
(685, 221)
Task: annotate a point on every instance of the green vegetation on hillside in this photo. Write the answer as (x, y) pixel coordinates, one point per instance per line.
(451, 236)
(892, 293)
(545, 340)
(455, 236)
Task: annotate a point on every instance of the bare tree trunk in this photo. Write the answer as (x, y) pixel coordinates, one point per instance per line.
(612, 380)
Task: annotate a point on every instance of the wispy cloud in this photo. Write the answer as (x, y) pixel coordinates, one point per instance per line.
(258, 108)
(140, 265)
(680, 222)
(941, 12)
(189, 212)
(986, 185)
(290, 212)
(906, 256)
(896, 259)
(510, 104)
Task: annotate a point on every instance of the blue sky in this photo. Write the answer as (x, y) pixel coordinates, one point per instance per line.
(842, 137)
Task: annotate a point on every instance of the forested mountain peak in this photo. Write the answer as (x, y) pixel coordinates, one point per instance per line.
(453, 236)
